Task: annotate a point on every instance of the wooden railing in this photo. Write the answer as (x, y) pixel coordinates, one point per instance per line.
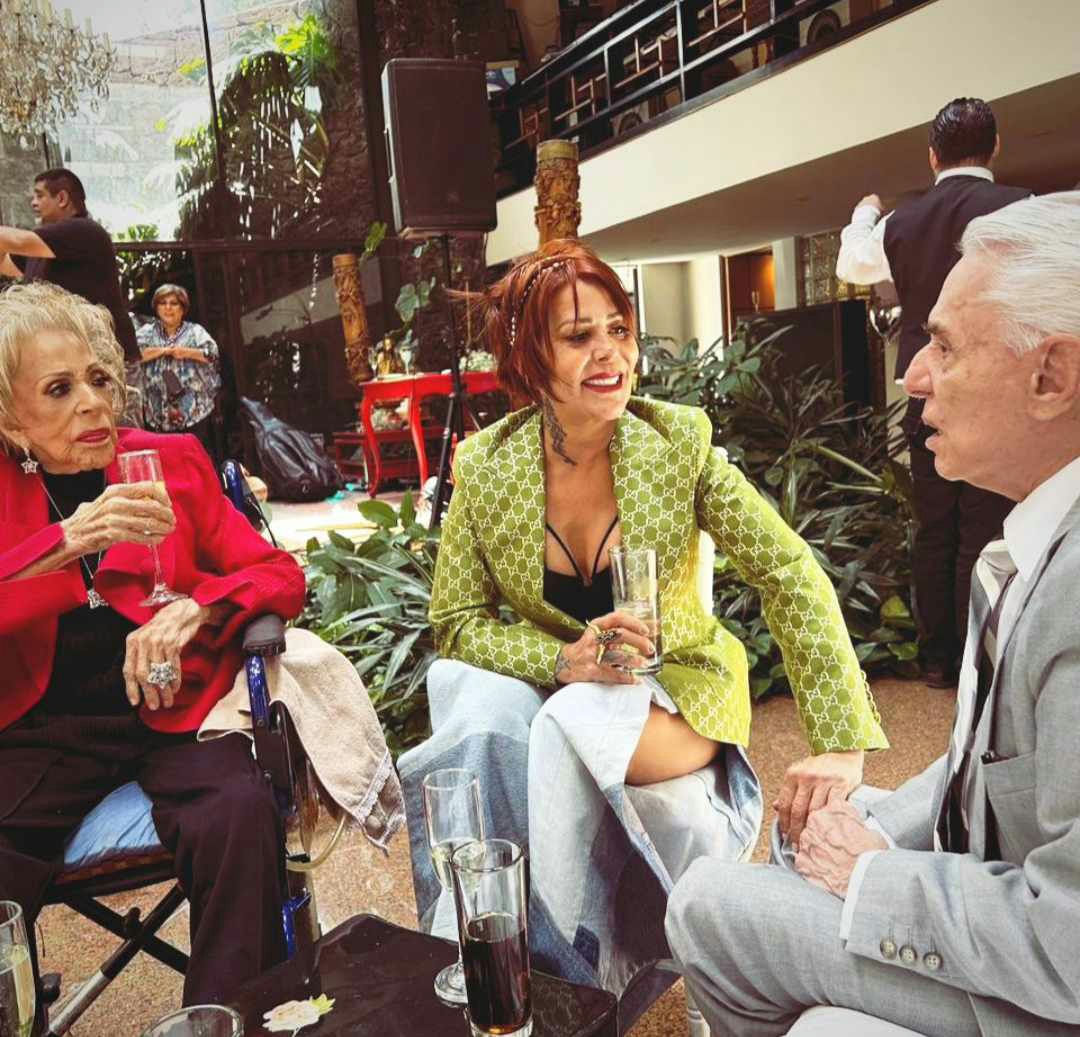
(657, 59)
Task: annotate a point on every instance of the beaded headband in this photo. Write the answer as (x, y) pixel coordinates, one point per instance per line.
(543, 268)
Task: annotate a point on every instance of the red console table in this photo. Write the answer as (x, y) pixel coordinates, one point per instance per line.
(413, 388)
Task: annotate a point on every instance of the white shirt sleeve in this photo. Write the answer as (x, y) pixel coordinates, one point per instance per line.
(848, 913)
(862, 258)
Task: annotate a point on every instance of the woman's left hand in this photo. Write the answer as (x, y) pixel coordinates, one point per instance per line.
(807, 785)
(160, 641)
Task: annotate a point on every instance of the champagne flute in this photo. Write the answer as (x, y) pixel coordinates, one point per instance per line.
(17, 997)
(452, 817)
(145, 466)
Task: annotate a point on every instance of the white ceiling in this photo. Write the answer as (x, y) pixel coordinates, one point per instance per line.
(1040, 148)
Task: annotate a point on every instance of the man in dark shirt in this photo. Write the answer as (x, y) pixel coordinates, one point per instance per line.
(69, 249)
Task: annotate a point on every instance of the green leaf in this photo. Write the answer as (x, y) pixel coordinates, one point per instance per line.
(759, 686)
(379, 512)
(894, 608)
(340, 542)
(906, 651)
(407, 511)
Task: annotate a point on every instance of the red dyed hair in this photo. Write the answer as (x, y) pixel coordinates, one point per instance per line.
(517, 306)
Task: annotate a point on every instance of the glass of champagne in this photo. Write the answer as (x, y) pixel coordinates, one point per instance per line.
(145, 466)
(17, 997)
(636, 590)
(453, 817)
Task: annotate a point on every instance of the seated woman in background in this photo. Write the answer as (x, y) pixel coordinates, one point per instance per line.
(181, 380)
(99, 690)
(614, 784)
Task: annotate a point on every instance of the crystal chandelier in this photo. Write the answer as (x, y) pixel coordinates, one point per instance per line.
(48, 67)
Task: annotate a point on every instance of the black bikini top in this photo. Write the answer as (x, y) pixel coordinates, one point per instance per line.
(571, 594)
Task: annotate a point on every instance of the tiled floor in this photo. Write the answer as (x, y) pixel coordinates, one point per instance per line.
(359, 878)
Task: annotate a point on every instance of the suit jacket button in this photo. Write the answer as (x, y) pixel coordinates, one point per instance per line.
(932, 961)
(888, 949)
(908, 955)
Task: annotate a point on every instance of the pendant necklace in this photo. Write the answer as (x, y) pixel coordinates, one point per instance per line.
(93, 599)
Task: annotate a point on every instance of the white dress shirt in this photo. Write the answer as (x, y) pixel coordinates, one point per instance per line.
(1029, 530)
(862, 258)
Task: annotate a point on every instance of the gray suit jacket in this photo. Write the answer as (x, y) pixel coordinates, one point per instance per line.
(1006, 931)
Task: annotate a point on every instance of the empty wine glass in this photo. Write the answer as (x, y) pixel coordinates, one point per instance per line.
(17, 998)
(453, 817)
(145, 466)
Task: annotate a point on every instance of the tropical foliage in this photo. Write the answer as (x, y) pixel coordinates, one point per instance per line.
(370, 600)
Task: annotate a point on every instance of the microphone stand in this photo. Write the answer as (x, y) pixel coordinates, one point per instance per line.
(455, 411)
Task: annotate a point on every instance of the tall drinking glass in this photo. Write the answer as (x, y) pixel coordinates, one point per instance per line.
(492, 905)
(199, 1021)
(635, 590)
(452, 816)
(145, 466)
(17, 998)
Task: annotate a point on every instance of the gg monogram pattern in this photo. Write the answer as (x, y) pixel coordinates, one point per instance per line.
(669, 484)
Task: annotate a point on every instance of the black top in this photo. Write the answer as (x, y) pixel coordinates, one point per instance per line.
(571, 594)
(87, 676)
(920, 242)
(85, 264)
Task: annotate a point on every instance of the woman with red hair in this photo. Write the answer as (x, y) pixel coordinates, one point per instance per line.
(596, 770)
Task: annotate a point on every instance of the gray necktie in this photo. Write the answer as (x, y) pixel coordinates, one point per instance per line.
(994, 571)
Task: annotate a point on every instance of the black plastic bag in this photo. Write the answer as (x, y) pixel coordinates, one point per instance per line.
(293, 467)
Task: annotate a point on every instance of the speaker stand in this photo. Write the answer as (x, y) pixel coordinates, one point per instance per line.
(455, 410)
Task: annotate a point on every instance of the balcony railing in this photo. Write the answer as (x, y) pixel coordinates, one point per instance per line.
(657, 59)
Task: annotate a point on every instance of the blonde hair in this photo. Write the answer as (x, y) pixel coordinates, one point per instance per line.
(26, 310)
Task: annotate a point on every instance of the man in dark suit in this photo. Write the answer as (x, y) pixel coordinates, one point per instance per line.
(915, 247)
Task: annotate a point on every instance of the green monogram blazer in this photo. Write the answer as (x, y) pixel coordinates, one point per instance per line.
(669, 484)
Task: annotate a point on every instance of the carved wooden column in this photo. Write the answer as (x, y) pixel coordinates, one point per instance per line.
(350, 300)
(558, 211)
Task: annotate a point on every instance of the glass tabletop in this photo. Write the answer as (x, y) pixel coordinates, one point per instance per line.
(380, 976)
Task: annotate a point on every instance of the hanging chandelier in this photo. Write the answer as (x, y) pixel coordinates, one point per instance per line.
(49, 67)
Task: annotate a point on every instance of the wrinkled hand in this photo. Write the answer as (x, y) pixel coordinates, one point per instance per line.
(831, 843)
(139, 513)
(577, 661)
(808, 783)
(160, 641)
(871, 199)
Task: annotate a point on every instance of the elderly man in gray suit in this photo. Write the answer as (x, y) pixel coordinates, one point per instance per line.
(952, 906)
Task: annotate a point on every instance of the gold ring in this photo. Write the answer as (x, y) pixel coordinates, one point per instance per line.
(593, 629)
(601, 648)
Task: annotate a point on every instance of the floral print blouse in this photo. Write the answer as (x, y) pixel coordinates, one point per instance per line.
(175, 403)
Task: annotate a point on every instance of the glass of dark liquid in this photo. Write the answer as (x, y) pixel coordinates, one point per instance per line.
(489, 879)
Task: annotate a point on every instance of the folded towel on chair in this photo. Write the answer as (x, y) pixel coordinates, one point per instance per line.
(337, 727)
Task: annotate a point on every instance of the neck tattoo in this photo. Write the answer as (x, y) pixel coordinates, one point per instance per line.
(556, 432)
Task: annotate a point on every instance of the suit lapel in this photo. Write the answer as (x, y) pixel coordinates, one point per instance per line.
(641, 468)
(982, 742)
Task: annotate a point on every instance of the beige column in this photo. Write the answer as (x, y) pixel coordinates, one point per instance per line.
(350, 300)
(558, 211)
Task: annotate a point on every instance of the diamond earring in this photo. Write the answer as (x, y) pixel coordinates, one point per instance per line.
(29, 466)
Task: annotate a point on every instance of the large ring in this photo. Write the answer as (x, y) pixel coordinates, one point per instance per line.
(603, 639)
(162, 674)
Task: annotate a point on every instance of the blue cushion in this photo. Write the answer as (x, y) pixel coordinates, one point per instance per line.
(119, 826)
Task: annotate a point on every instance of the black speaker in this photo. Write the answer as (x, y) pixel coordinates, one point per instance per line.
(438, 144)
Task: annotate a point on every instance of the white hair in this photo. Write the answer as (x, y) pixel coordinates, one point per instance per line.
(1034, 246)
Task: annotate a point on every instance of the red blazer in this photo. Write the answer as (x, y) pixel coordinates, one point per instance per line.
(214, 555)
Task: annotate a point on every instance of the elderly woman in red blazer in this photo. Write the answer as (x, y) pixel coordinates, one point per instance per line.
(98, 690)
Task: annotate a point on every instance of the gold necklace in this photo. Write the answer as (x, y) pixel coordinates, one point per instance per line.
(93, 599)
